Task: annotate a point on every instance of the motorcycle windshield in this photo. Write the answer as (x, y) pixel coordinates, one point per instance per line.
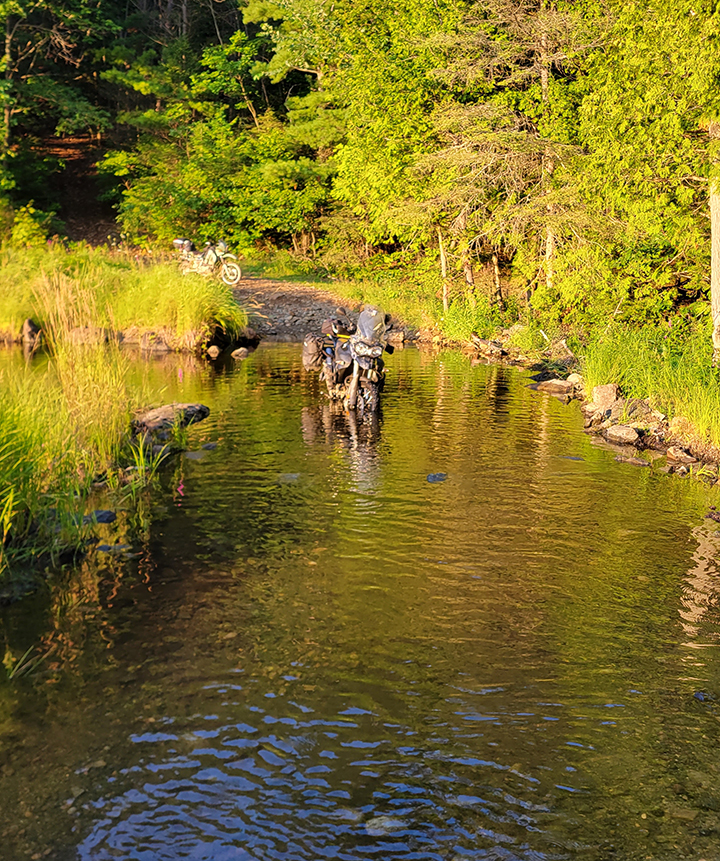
(371, 324)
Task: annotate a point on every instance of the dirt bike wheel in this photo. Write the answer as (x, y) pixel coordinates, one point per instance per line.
(372, 398)
(231, 274)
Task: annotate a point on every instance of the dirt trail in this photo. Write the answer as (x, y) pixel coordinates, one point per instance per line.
(286, 311)
(86, 218)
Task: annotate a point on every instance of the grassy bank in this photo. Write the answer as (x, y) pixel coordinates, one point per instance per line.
(62, 289)
(59, 430)
(62, 428)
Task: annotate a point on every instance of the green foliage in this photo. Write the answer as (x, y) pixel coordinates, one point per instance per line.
(29, 228)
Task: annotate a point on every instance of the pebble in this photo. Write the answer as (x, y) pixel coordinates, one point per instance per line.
(436, 477)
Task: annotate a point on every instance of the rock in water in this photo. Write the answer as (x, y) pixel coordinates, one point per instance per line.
(556, 387)
(88, 335)
(622, 434)
(102, 515)
(171, 415)
(30, 332)
(213, 351)
(436, 477)
(680, 455)
(240, 353)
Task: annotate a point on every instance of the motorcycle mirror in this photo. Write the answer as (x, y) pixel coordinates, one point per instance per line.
(340, 311)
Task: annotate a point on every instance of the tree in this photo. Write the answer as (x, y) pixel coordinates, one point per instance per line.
(649, 121)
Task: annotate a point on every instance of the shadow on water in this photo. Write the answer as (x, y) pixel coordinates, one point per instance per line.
(311, 651)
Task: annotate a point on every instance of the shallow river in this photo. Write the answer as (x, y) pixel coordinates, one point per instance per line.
(310, 651)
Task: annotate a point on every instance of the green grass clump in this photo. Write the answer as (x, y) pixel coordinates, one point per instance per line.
(95, 287)
(670, 366)
(59, 429)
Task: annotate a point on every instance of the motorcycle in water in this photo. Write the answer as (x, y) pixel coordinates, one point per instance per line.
(207, 261)
(349, 358)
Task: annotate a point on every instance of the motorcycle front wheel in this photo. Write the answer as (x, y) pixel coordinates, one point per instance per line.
(231, 274)
(371, 396)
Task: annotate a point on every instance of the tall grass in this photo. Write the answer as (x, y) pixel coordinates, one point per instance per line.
(674, 370)
(96, 287)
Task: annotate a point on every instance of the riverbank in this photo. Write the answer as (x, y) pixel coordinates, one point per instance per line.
(68, 423)
(666, 367)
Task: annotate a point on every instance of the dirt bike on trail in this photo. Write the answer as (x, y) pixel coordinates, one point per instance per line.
(212, 259)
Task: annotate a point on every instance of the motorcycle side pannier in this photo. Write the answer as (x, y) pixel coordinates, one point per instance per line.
(312, 355)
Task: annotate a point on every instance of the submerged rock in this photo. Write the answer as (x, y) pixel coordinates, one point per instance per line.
(378, 826)
(556, 387)
(436, 477)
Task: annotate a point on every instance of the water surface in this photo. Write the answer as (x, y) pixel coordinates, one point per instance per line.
(310, 651)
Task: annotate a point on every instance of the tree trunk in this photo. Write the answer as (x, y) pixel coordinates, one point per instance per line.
(498, 298)
(714, 131)
(443, 270)
(468, 271)
(548, 165)
(7, 61)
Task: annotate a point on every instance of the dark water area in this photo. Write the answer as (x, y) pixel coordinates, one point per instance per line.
(310, 651)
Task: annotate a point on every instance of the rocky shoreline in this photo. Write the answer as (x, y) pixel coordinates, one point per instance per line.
(639, 434)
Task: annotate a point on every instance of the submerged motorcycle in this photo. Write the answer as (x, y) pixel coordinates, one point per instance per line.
(207, 261)
(349, 357)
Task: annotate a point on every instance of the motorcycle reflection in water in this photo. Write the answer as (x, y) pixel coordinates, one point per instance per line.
(349, 358)
(345, 431)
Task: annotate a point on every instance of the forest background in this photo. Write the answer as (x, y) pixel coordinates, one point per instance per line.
(549, 162)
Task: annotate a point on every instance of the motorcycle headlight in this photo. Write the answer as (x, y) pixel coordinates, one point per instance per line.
(371, 350)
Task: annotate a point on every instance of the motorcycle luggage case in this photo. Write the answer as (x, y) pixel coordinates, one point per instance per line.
(312, 355)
